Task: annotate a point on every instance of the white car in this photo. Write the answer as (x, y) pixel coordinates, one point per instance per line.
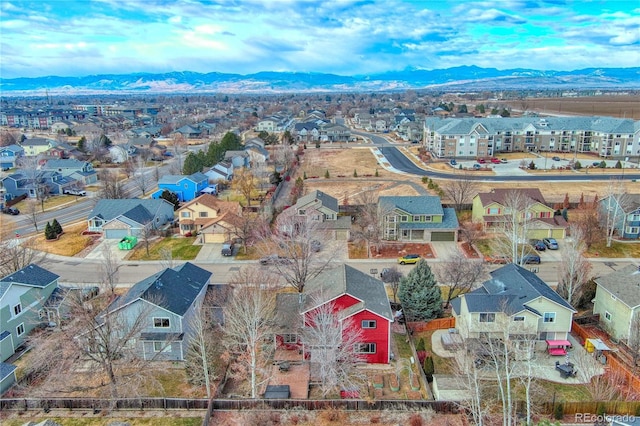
(78, 192)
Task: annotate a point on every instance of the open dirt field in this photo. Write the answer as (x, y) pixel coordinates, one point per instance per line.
(614, 106)
(341, 161)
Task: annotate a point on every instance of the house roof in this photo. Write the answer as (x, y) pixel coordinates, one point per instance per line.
(631, 201)
(32, 275)
(139, 214)
(449, 221)
(509, 290)
(173, 179)
(6, 369)
(422, 204)
(212, 202)
(288, 311)
(623, 284)
(326, 200)
(109, 209)
(172, 289)
(65, 163)
(344, 279)
(498, 195)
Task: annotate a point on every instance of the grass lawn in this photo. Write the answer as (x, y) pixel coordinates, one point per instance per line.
(441, 365)
(565, 393)
(617, 249)
(101, 421)
(69, 244)
(357, 251)
(182, 248)
(49, 203)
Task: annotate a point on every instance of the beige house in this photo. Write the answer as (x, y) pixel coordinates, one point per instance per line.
(516, 298)
(211, 217)
(323, 208)
(489, 208)
(618, 300)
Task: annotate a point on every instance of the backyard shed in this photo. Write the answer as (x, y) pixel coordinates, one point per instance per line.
(277, 392)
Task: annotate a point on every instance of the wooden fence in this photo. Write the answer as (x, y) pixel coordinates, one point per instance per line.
(436, 324)
(620, 408)
(615, 364)
(25, 404)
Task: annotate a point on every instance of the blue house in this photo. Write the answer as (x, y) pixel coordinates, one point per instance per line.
(161, 307)
(78, 170)
(19, 184)
(186, 188)
(626, 217)
(117, 219)
(9, 155)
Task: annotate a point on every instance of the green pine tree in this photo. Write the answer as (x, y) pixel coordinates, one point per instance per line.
(420, 346)
(192, 164)
(82, 144)
(429, 368)
(171, 197)
(377, 175)
(326, 174)
(419, 294)
(49, 233)
(55, 225)
(355, 173)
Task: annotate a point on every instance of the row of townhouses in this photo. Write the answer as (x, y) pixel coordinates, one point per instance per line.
(486, 137)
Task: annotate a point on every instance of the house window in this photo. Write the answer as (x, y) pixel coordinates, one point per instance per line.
(428, 218)
(17, 309)
(518, 318)
(366, 348)
(607, 316)
(404, 218)
(161, 347)
(368, 324)
(302, 212)
(185, 214)
(487, 317)
(549, 317)
(290, 338)
(204, 214)
(417, 218)
(632, 230)
(161, 322)
(391, 219)
(20, 329)
(493, 210)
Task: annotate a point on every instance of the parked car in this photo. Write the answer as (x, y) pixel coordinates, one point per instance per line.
(453, 162)
(495, 160)
(11, 210)
(408, 259)
(477, 166)
(482, 160)
(497, 259)
(530, 258)
(227, 248)
(551, 243)
(539, 245)
(504, 160)
(273, 259)
(78, 192)
(556, 158)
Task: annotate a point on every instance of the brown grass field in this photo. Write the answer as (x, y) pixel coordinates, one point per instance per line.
(613, 106)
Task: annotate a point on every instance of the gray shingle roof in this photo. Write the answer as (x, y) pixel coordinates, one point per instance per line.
(6, 369)
(624, 284)
(172, 289)
(64, 163)
(449, 221)
(32, 275)
(327, 200)
(110, 209)
(344, 279)
(509, 290)
(424, 204)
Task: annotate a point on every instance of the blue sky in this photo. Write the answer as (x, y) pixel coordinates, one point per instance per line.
(75, 38)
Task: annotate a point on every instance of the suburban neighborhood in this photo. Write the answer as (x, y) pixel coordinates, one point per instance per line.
(478, 266)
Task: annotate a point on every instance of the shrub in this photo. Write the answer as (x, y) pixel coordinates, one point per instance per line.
(377, 174)
(55, 225)
(429, 368)
(578, 165)
(355, 173)
(304, 175)
(558, 411)
(420, 346)
(49, 233)
(618, 165)
(416, 420)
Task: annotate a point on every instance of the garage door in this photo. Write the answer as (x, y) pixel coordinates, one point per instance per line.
(558, 234)
(537, 234)
(113, 234)
(443, 236)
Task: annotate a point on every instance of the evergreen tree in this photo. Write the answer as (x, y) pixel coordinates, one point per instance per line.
(419, 293)
(49, 233)
(355, 173)
(326, 174)
(55, 225)
(480, 108)
(214, 154)
(618, 165)
(192, 164)
(82, 144)
(429, 368)
(105, 141)
(171, 197)
(230, 141)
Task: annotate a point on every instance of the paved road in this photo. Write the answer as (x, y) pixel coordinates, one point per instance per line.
(400, 162)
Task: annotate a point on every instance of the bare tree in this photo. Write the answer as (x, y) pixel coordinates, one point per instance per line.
(297, 239)
(471, 232)
(460, 190)
(633, 340)
(370, 219)
(575, 270)
(111, 186)
(470, 377)
(109, 270)
(459, 273)
(100, 334)
(587, 218)
(602, 385)
(245, 183)
(246, 228)
(15, 252)
(392, 276)
(32, 213)
(166, 258)
(201, 350)
(614, 205)
(249, 322)
(517, 217)
(334, 348)
(179, 148)
(139, 177)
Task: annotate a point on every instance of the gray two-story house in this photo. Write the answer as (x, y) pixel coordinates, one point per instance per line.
(22, 296)
(417, 218)
(160, 311)
(79, 170)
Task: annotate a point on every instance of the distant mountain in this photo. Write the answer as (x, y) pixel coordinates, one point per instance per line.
(468, 78)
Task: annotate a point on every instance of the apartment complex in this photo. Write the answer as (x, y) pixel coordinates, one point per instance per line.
(487, 137)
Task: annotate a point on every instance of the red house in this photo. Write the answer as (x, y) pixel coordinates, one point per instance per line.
(358, 300)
